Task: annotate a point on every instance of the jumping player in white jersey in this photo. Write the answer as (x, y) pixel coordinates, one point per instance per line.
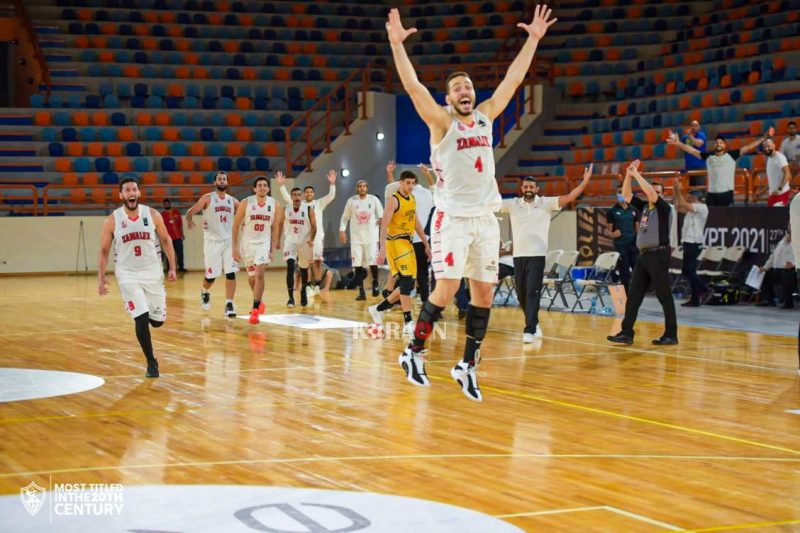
(364, 211)
(218, 209)
(465, 235)
(136, 229)
(300, 229)
(263, 222)
(319, 209)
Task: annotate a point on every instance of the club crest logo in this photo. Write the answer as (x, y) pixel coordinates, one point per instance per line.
(32, 496)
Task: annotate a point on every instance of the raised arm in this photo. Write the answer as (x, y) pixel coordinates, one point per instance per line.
(237, 228)
(166, 242)
(198, 206)
(627, 190)
(573, 195)
(390, 166)
(521, 64)
(434, 115)
(753, 145)
(280, 178)
(673, 139)
(681, 204)
(106, 236)
(649, 191)
(428, 174)
(328, 198)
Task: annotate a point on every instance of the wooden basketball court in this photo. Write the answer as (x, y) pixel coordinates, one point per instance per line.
(573, 435)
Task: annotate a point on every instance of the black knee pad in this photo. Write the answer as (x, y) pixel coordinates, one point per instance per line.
(232, 275)
(405, 284)
(210, 281)
(156, 323)
(477, 321)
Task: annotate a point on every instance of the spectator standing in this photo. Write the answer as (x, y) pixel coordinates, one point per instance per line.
(694, 224)
(780, 269)
(173, 220)
(778, 176)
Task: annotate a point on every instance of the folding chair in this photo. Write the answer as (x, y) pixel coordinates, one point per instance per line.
(550, 268)
(563, 277)
(712, 260)
(506, 288)
(604, 266)
(727, 266)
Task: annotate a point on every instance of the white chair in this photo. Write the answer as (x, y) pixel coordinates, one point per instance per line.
(712, 259)
(727, 266)
(562, 278)
(604, 266)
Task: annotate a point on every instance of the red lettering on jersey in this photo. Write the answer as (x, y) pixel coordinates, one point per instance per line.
(136, 236)
(131, 307)
(472, 142)
(225, 208)
(261, 217)
(437, 224)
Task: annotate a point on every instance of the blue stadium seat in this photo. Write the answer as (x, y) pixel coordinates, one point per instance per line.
(55, 149)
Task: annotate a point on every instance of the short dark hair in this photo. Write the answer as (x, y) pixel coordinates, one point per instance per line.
(658, 184)
(529, 178)
(220, 172)
(129, 179)
(408, 175)
(297, 189)
(167, 200)
(458, 74)
(308, 187)
(720, 138)
(260, 178)
(791, 123)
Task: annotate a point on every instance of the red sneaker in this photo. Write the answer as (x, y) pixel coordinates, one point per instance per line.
(261, 308)
(254, 317)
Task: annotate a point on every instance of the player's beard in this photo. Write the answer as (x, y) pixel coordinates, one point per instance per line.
(457, 109)
(768, 151)
(528, 195)
(222, 188)
(132, 207)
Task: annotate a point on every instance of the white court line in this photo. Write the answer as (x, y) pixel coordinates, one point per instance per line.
(607, 508)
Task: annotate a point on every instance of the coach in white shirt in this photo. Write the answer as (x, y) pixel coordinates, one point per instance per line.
(530, 225)
(780, 268)
(694, 225)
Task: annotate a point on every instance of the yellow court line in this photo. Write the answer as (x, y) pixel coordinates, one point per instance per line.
(409, 457)
(613, 414)
(738, 527)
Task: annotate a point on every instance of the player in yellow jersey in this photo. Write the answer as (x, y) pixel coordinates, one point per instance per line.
(397, 229)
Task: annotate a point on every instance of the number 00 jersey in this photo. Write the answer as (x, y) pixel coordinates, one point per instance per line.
(135, 247)
(258, 219)
(464, 162)
(218, 217)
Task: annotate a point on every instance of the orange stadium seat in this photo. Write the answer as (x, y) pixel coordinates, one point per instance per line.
(114, 150)
(170, 134)
(95, 149)
(91, 178)
(42, 118)
(75, 149)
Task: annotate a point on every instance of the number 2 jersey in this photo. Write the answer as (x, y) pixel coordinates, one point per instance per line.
(135, 247)
(296, 223)
(258, 220)
(218, 217)
(464, 163)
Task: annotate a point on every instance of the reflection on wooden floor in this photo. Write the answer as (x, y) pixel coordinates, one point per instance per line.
(573, 434)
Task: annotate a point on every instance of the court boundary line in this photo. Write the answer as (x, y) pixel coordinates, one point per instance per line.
(408, 457)
(607, 508)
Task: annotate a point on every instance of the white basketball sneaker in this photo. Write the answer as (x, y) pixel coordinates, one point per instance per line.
(205, 300)
(377, 316)
(538, 334)
(466, 376)
(414, 367)
(527, 338)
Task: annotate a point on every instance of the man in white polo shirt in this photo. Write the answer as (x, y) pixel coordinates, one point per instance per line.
(790, 147)
(530, 225)
(720, 165)
(779, 178)
(694, 225)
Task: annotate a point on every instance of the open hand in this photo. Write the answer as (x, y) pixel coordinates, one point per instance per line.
(394, 27)
(541, 21)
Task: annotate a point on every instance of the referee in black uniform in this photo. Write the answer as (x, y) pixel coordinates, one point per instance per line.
(652, 266)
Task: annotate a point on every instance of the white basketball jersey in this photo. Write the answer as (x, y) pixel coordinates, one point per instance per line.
(218, 218)
(135, 250)
(296, 222)
(258, 219)
(364, 217)
(464, 162)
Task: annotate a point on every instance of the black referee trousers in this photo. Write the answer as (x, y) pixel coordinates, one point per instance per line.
(652, 267)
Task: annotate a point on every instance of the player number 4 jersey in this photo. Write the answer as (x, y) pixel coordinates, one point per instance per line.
(464, 163)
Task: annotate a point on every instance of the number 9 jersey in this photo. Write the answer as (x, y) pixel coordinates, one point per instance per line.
(137, 259)
(464, 163)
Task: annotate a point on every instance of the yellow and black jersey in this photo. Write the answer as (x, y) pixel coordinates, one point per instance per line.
(404, 219)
